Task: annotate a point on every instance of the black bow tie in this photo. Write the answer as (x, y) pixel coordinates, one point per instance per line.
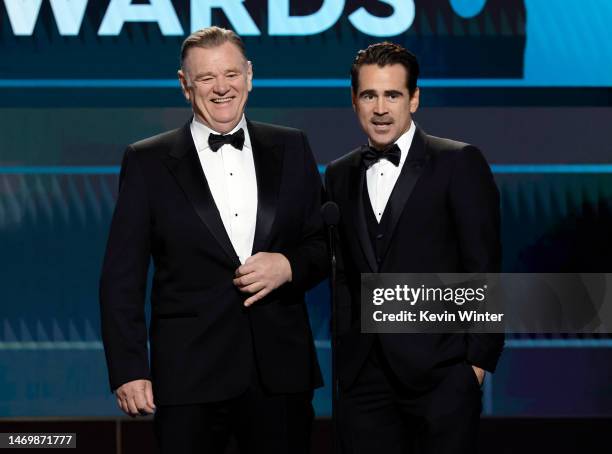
(371, 155)
(216, 141)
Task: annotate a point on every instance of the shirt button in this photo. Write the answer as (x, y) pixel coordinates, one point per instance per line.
(380, 236)
(231, 174)
(381, 174)
(235, 214)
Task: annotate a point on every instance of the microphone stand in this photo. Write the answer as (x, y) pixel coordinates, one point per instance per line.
(334, 330)
(331, 216)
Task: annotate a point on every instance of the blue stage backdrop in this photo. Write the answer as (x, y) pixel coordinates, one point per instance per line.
(529, 81)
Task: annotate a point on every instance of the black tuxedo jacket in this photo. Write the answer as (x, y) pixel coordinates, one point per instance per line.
(205, 345)
(444, 218)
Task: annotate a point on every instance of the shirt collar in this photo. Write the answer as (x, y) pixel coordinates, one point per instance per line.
(404, 142)
(200, 133)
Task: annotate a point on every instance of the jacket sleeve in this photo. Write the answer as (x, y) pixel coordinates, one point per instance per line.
(123, 279)
(476, 212)
(309, 259)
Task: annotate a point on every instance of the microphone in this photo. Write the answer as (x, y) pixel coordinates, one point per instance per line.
(330, 213)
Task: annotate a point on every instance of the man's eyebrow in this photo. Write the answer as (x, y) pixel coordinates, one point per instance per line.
(368, 92)
(393, 93)
(203, 74)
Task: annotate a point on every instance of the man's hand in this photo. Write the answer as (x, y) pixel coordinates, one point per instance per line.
(480, 374)
(262, 273)
(136, 397)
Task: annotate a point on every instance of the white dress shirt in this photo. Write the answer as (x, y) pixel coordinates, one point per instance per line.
(382, 175)
(230, 174)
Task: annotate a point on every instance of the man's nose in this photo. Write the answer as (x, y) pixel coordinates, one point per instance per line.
(221, 86)
(381, 106)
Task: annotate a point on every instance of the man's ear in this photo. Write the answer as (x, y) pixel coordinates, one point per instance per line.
(249, 75)
(353, 100)
(414, 101)
(184, 85)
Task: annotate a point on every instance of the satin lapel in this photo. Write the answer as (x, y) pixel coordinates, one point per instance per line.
(357, 180)
(268, 159)
(185, 165)
(404, 186)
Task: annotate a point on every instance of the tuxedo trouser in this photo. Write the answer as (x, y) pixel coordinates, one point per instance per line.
(380, 414)
(259, 421)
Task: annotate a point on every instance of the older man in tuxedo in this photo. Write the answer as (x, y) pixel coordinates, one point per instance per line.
(409, 203)
(229, 212)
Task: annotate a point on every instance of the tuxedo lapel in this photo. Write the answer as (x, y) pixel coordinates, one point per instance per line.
(268, 159)
(357, 179)
(406, 181)
(185, 165)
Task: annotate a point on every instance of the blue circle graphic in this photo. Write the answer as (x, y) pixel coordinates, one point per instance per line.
(468, 8)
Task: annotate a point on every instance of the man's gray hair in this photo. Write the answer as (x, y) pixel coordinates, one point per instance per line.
(211, 37)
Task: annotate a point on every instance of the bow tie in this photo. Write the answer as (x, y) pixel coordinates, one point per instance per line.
(370, 155)
(216, 141)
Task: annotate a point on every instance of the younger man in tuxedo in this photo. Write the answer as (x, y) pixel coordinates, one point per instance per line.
(409, 202)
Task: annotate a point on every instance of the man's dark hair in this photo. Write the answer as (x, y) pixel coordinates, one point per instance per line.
(211, 37)
(383, 54)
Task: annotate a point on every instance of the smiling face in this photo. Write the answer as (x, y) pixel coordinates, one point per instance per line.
(383, 104)
(217, 81)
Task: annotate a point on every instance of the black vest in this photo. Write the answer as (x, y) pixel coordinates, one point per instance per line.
(379, 233)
